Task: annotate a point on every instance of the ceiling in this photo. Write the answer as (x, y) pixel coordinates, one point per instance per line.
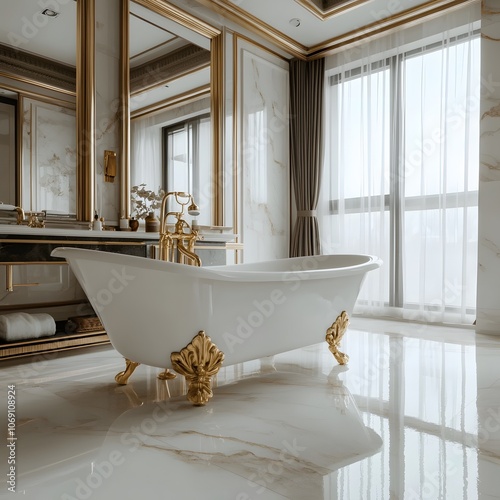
(319, 32)
(301, 28)
(23, 26)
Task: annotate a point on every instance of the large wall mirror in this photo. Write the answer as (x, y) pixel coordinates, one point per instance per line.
(175, 70)
(37, 120)
(175, 104)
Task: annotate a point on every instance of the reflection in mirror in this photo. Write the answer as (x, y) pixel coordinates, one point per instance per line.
(8, 107)
(187, 166)
(170, 90)
(48, 155)
(38, 69)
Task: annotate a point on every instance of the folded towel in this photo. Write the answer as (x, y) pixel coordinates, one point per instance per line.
(20, 326)
(4, 206)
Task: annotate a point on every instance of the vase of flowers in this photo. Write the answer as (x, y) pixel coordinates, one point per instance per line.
(145, 202)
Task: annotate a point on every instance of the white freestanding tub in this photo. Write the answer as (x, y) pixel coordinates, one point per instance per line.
(151, 308)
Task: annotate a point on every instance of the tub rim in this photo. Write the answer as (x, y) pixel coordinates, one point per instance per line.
(220, 273)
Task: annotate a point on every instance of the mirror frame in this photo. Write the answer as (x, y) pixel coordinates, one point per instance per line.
(85, 109)
(215, 36)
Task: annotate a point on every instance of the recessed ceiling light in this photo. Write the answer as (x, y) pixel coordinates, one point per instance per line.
(50, 13)
(295, 22)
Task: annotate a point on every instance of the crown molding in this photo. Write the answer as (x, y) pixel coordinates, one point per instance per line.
(328, 8)
(180, 16)
(38, 70)
(230, 10)
(178, 100)
(157, 72)
(384, 26)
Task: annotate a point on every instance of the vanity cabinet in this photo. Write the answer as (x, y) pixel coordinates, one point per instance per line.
(21, 247)
(31, 247)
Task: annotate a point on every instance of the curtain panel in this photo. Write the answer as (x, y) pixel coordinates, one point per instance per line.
(306, 151)
(402, 168)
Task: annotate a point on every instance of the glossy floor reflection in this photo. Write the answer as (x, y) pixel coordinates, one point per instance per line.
(416, 415)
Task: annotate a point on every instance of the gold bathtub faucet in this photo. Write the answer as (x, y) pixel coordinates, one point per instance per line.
(179, 239)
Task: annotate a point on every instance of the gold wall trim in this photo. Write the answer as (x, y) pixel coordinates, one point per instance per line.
(155, 47)
(236, 160)
(31, 153)
(46, 99)
(85, 109)
(19, 151)
(329, 11)
(231, 11)
(124, 162)
(261, 46)
(178, 100)
(180, 16)
(36, 83)
(217, 118)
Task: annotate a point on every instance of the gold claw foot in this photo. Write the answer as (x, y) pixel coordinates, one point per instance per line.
(166, 375)
(334, 336)
(122, 377)
(199, 361)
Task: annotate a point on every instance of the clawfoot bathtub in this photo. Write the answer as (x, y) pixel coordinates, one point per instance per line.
(151, 309)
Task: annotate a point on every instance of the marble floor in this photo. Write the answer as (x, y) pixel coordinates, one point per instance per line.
(415, 415)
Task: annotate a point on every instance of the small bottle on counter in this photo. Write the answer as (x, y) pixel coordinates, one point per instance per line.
(97, 224)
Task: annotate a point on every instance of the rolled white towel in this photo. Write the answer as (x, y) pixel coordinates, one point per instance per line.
(20, 326)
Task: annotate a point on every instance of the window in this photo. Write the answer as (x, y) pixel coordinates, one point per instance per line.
(402, 176)
(187, 160)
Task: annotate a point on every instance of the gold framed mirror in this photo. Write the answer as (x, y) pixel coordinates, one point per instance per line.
(204, 35)
(37, 71)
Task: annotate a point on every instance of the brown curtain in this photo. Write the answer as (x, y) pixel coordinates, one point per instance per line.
(306, 151)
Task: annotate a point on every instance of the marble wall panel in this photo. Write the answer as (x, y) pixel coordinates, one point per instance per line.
(488, 286)
(263, 155)
(48, 157)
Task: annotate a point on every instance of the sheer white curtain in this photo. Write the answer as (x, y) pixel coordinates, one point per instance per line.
(401, 167)
(146, 153)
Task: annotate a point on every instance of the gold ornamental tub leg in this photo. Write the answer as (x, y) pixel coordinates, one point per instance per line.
(199, 361)
(334, 336)
(122, 377)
